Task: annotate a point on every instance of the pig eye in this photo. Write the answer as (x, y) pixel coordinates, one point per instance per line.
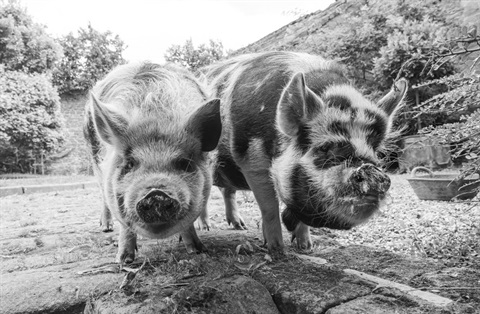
(184, 164)
(325, 148)
(129, 165)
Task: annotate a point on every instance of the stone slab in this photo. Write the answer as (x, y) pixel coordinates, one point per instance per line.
(54, 289)
(236, 294)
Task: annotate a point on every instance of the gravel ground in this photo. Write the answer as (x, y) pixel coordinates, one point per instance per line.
(448, 231)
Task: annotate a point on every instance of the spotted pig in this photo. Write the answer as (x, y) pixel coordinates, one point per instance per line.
(296, 130)
(150, 128)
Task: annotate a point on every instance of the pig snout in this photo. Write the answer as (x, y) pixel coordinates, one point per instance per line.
(369, 180)
(157, 206)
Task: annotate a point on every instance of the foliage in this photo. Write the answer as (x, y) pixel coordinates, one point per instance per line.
(406, 54)
(406, 51)
(31, 122)
(380, 38)
(88, 56)
(30, 118)
(361, 42)
(24, 45)
(195, 58)
(462, 99)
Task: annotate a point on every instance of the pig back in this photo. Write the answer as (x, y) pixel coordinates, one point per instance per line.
(250, 87)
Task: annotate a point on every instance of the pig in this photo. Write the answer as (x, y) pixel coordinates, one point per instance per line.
(296, 131)
(150, 129)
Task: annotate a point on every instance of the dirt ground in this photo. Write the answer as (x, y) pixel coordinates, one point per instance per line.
(51, 232)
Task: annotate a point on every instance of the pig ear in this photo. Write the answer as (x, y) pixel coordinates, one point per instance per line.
(390, 102)
(109, 123)
(297, 105)
(205, 124)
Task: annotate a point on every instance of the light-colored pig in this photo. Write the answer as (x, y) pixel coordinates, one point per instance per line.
(150, 128)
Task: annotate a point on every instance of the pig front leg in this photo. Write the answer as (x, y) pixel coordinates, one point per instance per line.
(302, 235)
(264, 193)
(191, 240)
(127, 244)
(106, 221)
(231, 210)
(203, 220)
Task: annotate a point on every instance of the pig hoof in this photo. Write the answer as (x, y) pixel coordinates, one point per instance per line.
(304, 247)
(203, 225)
(108, 228)
(238, 223)
(107, 225)
(195, 249)
(125, 257)
(239, 226)
(304, 244)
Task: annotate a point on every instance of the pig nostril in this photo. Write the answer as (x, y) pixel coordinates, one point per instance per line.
(357, 178)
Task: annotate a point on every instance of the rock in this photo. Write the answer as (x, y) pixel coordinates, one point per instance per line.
(379, 304)
(54, 289)
(299, 287)
(232, 295)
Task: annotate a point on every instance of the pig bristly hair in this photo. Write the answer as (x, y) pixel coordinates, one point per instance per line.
(299, 116)
(144, 85)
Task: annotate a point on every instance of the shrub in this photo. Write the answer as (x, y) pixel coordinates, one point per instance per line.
(461, 102)
(30, 122)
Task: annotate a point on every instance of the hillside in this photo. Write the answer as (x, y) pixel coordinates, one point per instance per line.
(308, 32)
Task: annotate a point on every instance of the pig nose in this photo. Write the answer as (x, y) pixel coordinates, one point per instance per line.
(157, 206)
(369, 179)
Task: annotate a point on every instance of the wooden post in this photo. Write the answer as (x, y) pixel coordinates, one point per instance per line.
(41, 163)
(417, 103)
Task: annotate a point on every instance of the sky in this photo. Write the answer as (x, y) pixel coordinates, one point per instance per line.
(149, 27)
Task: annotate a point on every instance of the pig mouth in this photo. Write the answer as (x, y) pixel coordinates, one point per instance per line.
(344, 213)
(368, 200)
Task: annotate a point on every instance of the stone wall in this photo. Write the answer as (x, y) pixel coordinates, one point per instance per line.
(76, 160)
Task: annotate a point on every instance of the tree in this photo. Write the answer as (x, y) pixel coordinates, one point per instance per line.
(24, 45)
(195, 58)
(30, 118)
(88, 56)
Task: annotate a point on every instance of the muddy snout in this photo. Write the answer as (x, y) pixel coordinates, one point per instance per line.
(370, 180)
(157, 206)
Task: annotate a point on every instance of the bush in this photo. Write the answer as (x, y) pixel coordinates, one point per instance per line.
(31, 122)
(461, 103)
